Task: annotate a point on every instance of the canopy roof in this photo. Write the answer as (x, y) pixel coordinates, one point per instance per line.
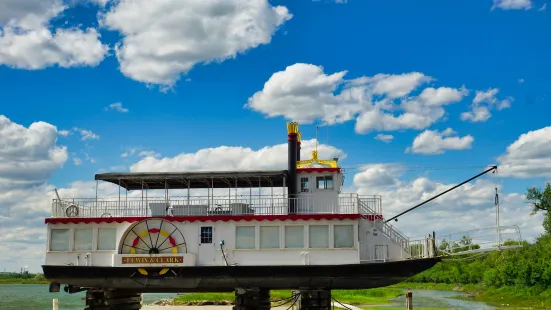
(199, 179)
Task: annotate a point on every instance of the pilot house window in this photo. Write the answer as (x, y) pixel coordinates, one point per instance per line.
(325, 182)
(304, 186)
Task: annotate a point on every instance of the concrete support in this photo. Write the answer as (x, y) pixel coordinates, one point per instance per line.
(314, 300)
(112, 299)
(252, 299)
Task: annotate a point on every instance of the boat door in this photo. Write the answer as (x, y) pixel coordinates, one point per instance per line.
(206, 246)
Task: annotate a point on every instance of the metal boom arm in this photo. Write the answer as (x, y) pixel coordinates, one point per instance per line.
(446, 191)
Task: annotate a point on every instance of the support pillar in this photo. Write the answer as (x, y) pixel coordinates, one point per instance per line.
(112, 299)
(252, 299)
(314, 300)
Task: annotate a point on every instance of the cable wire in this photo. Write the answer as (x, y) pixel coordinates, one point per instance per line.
(286, 300)
(294, 302)
(340, 303)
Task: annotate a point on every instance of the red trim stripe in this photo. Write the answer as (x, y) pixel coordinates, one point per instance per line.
(211, 218)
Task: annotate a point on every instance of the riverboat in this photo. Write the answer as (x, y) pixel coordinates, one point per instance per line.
(271, 229)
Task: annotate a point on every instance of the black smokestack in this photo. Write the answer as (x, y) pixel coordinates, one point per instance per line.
(292, 133)
(299, 139)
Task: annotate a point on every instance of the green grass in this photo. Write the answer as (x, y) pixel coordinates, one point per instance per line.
(353, 297)
(22, 281)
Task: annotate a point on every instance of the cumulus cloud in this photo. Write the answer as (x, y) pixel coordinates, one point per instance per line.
(528, 156)
(483, 102)
(512, 4)
(233, 158)
(384, 138)
(305, 93)
(28, 157)
(162, 40)
(468, 207)
(29, 154)
(434, 142)
(28, 42)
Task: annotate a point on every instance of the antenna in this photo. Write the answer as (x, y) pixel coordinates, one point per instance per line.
(317, 139)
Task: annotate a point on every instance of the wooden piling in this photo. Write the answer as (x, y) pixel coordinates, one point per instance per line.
(55, 304)
(409, 300)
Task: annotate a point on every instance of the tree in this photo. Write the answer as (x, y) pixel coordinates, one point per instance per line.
(541, 201)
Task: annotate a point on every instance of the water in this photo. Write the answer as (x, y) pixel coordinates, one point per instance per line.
(438, 299)
(36, 296)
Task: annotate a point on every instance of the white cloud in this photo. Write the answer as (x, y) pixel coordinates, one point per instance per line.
(483, 102)
(512, 4)
(86, 134)
(528, 156)
(77, 161)
(521, 81)
(29, 153)
(304, 93)
(478, 114)
(128, 153)
(442, 95)
(468, 207)
(162, 40)
(384, 138)
(233, 158)
(149, 154)
(27, 42)
(434, 142)
(64, 133)
(101, 3)
(117, 106)
(543, 7)
(28, 157)
(18, 9)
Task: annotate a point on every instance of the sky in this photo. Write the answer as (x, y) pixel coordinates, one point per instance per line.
(413, 98)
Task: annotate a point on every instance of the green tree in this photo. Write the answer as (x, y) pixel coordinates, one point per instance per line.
(541, 201)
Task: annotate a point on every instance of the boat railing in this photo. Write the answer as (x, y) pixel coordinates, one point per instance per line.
(480, 240)
(204, 206)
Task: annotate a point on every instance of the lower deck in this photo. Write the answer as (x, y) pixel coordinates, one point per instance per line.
(225, 241)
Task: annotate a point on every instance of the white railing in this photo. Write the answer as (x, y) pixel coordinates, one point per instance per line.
(422, 248)
(480, 240)
(373, 205)
(184, 206)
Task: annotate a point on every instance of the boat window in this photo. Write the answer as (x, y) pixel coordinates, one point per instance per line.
(59, 240)
(107, 239)
(304, 186)
(245, 237)
(325, 182)
(344, 236)
(294, 237)
(206, 234)
(319, 236)
(83, 239)
(269, 237)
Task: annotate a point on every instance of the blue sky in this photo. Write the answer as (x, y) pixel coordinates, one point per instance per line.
(182, 90)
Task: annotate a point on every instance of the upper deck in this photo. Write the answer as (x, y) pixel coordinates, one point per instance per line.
(238, 205)
(218, 194)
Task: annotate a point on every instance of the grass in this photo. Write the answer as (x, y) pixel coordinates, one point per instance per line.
(353, 297)
(22, 281)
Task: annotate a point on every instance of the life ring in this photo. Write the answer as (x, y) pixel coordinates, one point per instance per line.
(72, 210)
